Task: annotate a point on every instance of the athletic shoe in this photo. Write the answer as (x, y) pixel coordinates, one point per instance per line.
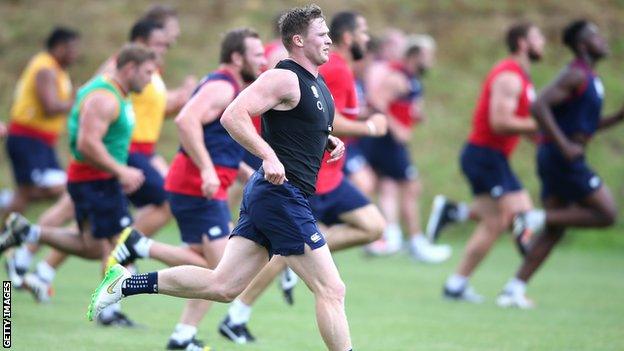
(525, 226)
(237, 333)
(381, 247)
(467, 294)
(16, 228)
(443, 212)
(424, 251)
(188, 345)
(118, 319)
(41, 290)
(288, 282)
(510, 299)
(15, 273)
(124, 253)
(109, 290)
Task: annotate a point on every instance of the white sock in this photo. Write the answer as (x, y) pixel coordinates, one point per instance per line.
(516, 286)
(23, 257)
(183, 332)
(109, 311)
(456, 282)
(143, 246)
(45, 272)
(536, 220)
(463, 212)
(33, 234)
(393, 234)
(239, 312)
(419, 240)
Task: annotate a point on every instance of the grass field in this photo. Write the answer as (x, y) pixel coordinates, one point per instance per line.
(393, 303)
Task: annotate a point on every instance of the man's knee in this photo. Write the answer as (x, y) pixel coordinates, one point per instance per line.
(333, 291)
(374, 228)
(609, 216)
(224, 290)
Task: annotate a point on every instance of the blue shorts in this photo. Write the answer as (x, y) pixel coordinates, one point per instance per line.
(277, 217)
(355, 159)
(252, 160)
(488, 171)
(152, 191)
(327, 208)
(389, 158)
(198, 216)
(34, 162)
(565, 180)
(102, 204)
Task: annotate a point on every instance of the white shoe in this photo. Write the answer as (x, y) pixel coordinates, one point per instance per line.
(41, 290)
(507, 299)
(467, 294)
(422, 250)
(14, 273)
(382, 247)
(109, 290)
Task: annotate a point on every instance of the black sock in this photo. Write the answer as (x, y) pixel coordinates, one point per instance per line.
(146, 283)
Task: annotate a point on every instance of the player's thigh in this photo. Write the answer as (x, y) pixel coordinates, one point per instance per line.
(485, 206)
(365, 217)
(213, 250)
(242, 260)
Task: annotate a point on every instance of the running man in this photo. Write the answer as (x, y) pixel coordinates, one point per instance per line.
(43, 98)
(100, 127)
(297, 112)
(201, 175)
(348, 218)
(569, 112)
(399, 95)
(501, 116)
(150, 106)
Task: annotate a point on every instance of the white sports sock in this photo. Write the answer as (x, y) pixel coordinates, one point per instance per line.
(516, 286)
(183, 332)
(142, 247)
(456, 282)
(536, 220)
(419, 240)
(393, 234)
(45, 272)
(23, 257)
(463, 212)
(33, 234)
(239, 312)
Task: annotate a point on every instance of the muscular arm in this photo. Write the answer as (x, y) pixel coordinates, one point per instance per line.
(48, 93)
(276, 88)
(506, 90)
(204, 107)
(555, 93)
(375, 125)
(610, 121)
(389, 87)
(99, 110)
(176, 98)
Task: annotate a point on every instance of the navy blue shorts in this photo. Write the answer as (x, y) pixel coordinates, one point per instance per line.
(277, 217)
(34, 162)
(101, 203)
(355, 159)
(565, 180)
(389, 158)
(327, 208)
(252, 160)
(488, 171)
(152, 191)
(198, 216)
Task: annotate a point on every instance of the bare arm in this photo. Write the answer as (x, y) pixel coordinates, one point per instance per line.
(389, 87)
(555, 93)
(276, 88)
(375, 125)
(204, 107)
(506, 90)
(610, 121)
(176, 98)
(48, 93)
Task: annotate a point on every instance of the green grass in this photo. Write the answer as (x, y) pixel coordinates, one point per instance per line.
(392, 303)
